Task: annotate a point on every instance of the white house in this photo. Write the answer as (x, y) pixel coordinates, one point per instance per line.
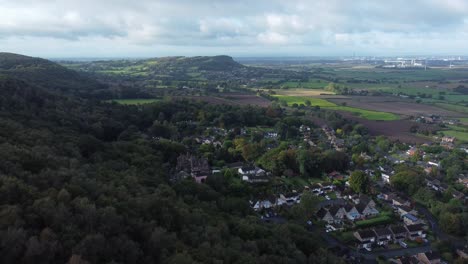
(252, 174)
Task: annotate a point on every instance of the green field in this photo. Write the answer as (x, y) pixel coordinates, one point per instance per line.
(453, 107)
(367, 114)
(464, 120)
(135, 101)
(458, 132)
(302, 99)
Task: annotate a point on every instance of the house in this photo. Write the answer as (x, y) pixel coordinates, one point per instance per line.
(385, 178)
(463, 180)
(457, 195)
(327, 188)
(316, 189)
(366, 238)
(410, 219)
(416, 231)
(351, 212)
(291, 198)
(325, 215)
(335, 176)
(405, 260)
(462, 253)
(334, 214)
(399, 233)
(447, 139)
(263, 204)
(304, 128)
(364, 199)
(197, 167)
(253, 174)
(403, 209)
(430, 257)
(388, 196)
(398, 201)
(412, 151)
(383, 236)
(235, 165)
(436, 185)
(271, 135)
(366, 209)
(338, 213)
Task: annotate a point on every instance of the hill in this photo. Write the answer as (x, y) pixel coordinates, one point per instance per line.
(49, 75)
(203, 63)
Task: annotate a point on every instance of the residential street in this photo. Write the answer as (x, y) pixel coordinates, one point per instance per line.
(432, 221)
(332, 242)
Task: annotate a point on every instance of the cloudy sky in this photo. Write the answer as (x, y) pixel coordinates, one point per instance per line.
(150, 28)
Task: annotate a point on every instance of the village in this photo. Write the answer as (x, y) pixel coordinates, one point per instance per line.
(381, 218)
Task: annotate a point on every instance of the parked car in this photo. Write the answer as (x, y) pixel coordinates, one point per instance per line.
(403, 244)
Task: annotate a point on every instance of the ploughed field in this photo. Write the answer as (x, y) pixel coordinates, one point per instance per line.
(393, 105)
(395, 129)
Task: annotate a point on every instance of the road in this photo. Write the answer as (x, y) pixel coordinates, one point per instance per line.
(389, 253)
(457, 242)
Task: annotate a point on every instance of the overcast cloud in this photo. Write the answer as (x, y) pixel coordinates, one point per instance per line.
(143, 28)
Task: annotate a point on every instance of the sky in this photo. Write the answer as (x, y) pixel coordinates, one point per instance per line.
(242, 28)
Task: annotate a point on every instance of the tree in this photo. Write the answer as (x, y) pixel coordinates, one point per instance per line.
(359, 182)
(307, 208)
(408, 181)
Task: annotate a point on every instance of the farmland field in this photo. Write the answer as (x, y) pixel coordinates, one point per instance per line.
(460, 135)
(311, 84)
(394, 129)
(367, 114)
(134, 101)
(458, 132)
(392, 105)
(453, 107)
(302, 99)
(464, 120)
(304, 92)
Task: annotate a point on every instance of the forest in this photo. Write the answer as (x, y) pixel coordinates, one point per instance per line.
(84, 181)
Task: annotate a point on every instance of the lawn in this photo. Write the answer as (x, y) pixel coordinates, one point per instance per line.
(367, 114)
(134, 101)
(295, 182)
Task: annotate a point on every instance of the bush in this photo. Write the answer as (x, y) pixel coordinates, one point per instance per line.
(381, 220)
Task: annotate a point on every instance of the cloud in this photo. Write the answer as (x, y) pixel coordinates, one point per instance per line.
(221, 25)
